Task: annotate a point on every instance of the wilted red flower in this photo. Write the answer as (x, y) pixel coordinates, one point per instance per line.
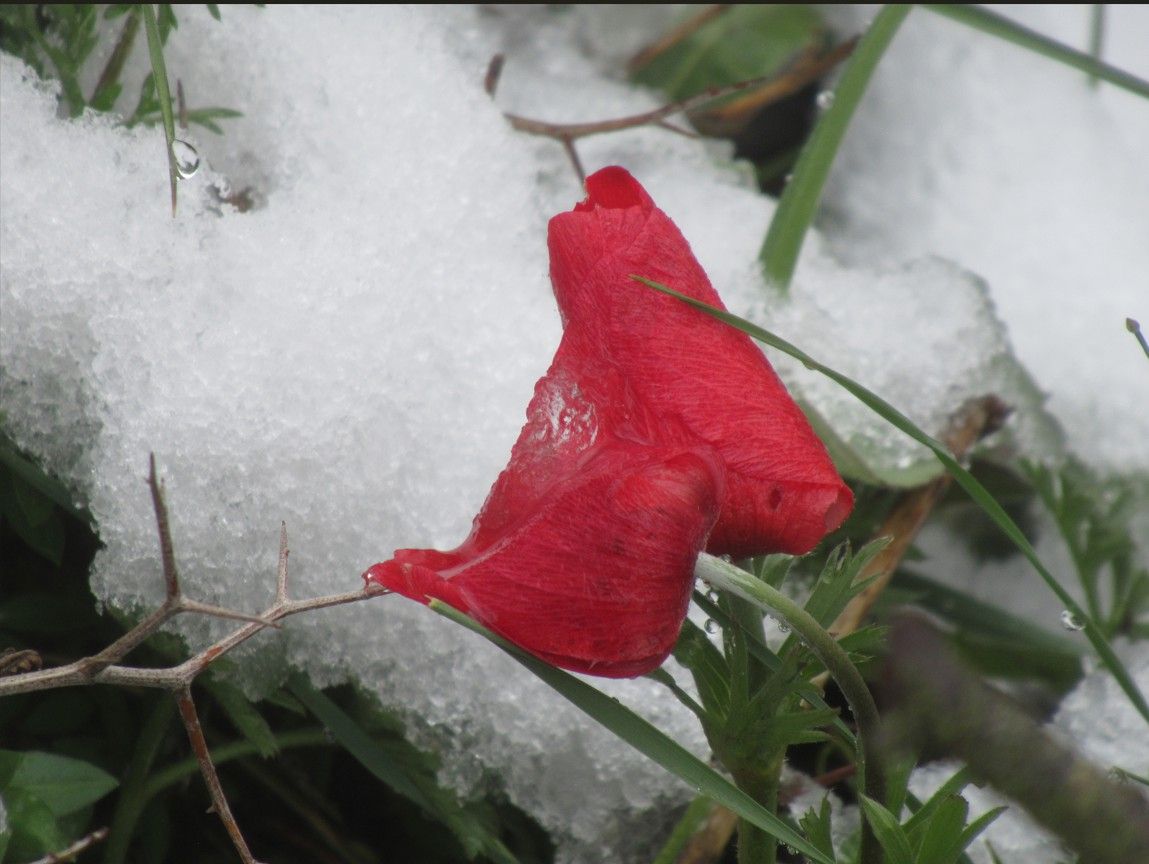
(656, 432)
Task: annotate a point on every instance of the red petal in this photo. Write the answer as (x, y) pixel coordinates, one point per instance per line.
(597, 577)
(782, 492)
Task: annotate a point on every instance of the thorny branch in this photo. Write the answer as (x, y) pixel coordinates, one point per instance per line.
(104, 668)
(810, 66)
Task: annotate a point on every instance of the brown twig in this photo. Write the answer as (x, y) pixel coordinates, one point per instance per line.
(778, 86)
(973, 421)
(103, 668)
(939, 707)
(71, 852)
(494, 72)
(210, 775)
(676, 35)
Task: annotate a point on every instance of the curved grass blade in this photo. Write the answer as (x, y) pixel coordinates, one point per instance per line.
(966, 480)
(647, 739)
(1011, 31)
(799, 202)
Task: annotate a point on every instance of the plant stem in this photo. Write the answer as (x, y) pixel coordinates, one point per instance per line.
(755, 846)
(727, 577)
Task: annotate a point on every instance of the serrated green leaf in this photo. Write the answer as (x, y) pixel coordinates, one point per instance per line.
(647, 739)
(63, 784)
(817, 826)
(889, 833)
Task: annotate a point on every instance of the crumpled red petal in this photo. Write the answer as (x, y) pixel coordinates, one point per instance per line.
(597, 577)
(783, 493)
(656, 432)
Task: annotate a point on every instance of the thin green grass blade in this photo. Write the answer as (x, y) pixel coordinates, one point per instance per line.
(647, 739)
(966, 480)
(163, 92)
(1010, 31)
(1096, 38)
(799, 202)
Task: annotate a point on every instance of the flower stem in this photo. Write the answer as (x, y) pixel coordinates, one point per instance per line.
(727, 577)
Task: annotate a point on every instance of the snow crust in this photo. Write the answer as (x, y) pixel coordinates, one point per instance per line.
(354, 355)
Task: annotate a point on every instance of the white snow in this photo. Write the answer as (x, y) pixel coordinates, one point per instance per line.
(355, 355)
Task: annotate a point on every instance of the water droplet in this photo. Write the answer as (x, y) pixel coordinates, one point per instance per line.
(825, 99)
(712, 595)
(711, 626)
(727, 558)
(783, 627)
(1070, 621)
(186, 158)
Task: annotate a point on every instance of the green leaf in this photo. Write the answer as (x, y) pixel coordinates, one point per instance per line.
(34, 517)
(63, 784)
(817, 826)
(745, 41)
(998, 25)
(941, 839)
(213, 11)
(978, 825)
(394, 767)
(889, 833)
(963, 478)
(34, 830)
(647, 739)
(799, 203)
(33, 475)
(706, 663)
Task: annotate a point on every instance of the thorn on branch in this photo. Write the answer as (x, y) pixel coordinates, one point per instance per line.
(190, 717)
(167, 555)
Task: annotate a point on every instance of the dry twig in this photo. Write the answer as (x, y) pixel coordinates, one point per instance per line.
(773, 87)
(74, 850)
(973, 421)
(104, 668)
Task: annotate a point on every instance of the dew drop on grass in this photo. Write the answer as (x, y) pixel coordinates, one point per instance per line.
(825, 99)
(1070, 621)
(712, 596)
(711, 626)
(186, 158)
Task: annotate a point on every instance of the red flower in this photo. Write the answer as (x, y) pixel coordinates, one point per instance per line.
(656, 432)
